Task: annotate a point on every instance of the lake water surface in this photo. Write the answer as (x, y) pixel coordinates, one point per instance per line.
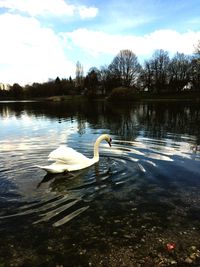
(126, 210)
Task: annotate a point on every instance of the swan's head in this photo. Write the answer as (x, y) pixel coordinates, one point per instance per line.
(108, 139)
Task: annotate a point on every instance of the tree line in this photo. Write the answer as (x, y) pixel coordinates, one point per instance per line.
(159, 74)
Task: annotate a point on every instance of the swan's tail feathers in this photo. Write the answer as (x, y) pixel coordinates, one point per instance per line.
(50, 169)
(46, 168)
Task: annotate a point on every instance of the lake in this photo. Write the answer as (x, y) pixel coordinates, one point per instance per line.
(138, 206)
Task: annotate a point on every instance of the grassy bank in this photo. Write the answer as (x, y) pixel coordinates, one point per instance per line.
(65, 98)
(142, 96)
(183, 96)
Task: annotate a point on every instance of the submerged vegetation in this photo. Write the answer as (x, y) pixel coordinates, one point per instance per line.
(122, 79)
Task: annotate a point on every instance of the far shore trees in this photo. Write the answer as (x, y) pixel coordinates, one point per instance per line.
(154, 74)
(79, 80)
(196, 67)
(158, 74)
(92, 81)
(179, 72)
(126, 68)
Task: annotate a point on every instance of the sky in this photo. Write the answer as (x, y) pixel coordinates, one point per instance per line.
(44, 39)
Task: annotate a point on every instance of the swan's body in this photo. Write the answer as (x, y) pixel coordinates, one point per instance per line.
(68, 159)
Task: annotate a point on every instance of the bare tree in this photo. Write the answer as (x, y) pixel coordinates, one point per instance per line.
(179, 71)
(79, 75)
(196, 68)
(159, 66)
(146, 77)
(125, 67)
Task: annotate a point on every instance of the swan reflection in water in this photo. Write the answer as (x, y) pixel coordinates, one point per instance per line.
(76, 191)
(49, 178)
(82, 179)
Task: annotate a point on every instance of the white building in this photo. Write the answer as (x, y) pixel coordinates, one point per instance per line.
(188, 86)
(4, 86)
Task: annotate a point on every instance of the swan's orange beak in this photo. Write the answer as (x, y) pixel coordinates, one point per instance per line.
(109, 142)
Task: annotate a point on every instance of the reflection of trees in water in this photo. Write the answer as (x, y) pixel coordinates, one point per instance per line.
(153, 120)
(126, 121)
(81, 126)
(11, 109)
(176, 118)
(122, 121)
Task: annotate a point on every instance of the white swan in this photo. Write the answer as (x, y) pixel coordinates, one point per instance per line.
(68, 159)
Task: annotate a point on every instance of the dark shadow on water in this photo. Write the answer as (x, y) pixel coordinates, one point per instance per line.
(50, 177)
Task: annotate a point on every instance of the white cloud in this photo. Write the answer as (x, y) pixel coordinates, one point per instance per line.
(87, 12)
(173, 41)
(39, 7)
(48, 7)
(98, 42)
(29, 52)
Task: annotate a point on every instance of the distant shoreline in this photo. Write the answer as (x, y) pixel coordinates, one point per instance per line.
(183, 96)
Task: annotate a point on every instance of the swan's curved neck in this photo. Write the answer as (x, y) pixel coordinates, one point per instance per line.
(96, 146)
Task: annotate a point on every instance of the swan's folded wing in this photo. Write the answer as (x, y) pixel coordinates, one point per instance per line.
(67, 155)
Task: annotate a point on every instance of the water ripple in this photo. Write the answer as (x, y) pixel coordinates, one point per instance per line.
(57, 199)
